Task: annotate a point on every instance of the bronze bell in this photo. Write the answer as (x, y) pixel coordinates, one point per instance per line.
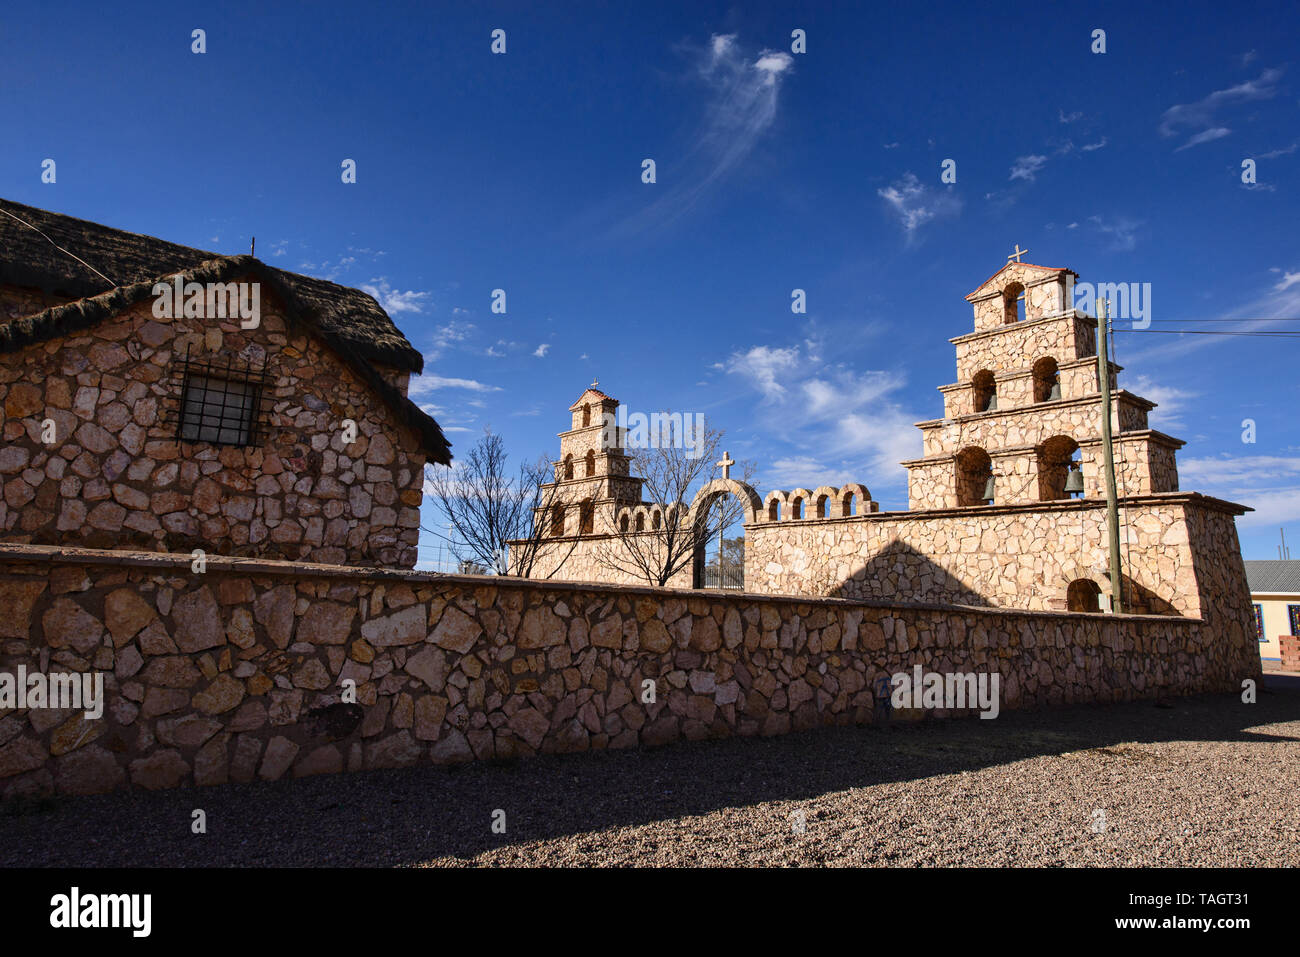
(1055, 393)
(988, 490)
(993, 403)
(1074, 481)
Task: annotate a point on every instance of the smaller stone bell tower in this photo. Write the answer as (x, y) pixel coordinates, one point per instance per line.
(593, 471)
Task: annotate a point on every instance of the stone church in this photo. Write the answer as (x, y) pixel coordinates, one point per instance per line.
(289, 435)
(1006, 505)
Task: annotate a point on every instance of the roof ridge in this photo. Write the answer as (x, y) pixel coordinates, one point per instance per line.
(1001, 269)
(87, 312)
(33, 259)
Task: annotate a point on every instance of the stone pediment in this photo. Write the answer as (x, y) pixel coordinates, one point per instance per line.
(592, 396)
(1025, 274)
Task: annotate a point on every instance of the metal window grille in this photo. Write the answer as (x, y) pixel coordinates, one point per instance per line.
(727, 577)
(1293, 612)
(221, 403)
(1259, 622)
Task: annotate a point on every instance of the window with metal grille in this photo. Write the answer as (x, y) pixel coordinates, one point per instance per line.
(1259, 622)
(220, 403)
(1293, 612)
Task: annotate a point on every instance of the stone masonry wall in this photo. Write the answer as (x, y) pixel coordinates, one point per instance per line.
(1018, 346)
(1009, 556)
(1143, 464)
(1030, 425)
(587, 558)
(115, 475)
(1016, 389)
(236, 674)
(1044, 295)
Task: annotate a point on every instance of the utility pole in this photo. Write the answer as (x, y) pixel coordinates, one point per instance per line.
(1112, 505)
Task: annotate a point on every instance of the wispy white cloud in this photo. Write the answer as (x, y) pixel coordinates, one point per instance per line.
(1205, 136)
(1228, 469)
(334, 269)
(814, 406)
(1200, 119)
(395, 300)
(1270, 484)
(1170, 401)
(1026, 167)
(425, 385)
(764, 366)
(739, 96)
(1067, 117)
(1288, 280)
(540, 351)
(804, 471)
(1275, 302)
(916, 204)
(1121, 230)
(1274, 154)
(1089, 147)
(446, 336)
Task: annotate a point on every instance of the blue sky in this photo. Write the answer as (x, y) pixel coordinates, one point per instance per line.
(775, 171)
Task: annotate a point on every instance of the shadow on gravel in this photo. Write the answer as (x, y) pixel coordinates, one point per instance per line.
(385, 818)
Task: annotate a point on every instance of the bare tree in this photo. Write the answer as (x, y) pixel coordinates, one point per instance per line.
(494, 517)
(672, 472)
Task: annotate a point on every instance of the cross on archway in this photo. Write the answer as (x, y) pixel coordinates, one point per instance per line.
(1017, 254)
(726, 462)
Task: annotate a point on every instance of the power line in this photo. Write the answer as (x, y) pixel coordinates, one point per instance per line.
(1285, 334)
(1232, 319)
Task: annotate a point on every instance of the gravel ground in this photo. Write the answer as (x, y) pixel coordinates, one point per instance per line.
(1207, 782)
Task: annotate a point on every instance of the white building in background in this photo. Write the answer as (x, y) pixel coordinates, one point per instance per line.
(1275, 593)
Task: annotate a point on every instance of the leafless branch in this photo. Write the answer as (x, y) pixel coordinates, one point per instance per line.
(671, 476)
(492, 514)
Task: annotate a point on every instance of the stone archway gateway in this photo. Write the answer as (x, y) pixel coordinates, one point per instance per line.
(747, 509)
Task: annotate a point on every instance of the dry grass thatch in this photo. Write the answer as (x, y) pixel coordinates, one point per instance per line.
(348, 320)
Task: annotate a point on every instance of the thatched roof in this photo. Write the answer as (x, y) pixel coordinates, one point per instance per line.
(348, 320)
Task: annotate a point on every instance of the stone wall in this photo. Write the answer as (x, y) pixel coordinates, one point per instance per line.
(1016, 388)
(115, 474)
(1145, 463)
(1013, 556)
(236, 674)
(1032, 424)
(1044, 288)
(603, 557)
(1018, 346)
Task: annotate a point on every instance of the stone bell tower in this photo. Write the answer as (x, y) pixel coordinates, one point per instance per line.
(593, 474)
(1025, 409)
